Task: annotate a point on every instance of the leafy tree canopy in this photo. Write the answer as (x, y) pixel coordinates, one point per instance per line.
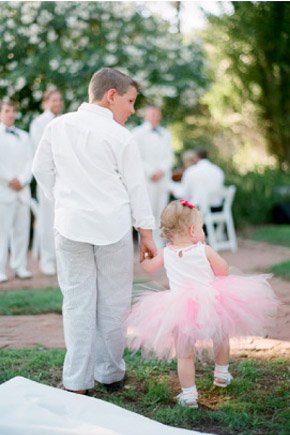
(251, 48)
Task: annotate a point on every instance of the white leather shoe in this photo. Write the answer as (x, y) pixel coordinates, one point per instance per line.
(3, 278)
(23, 273)
(48, 269)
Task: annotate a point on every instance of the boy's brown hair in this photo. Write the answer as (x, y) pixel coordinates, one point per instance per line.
(109, 78)
(176, 219)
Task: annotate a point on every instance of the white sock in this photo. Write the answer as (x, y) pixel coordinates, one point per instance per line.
(190, 390)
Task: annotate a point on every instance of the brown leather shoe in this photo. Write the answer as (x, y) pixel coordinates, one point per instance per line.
(61, 387)
(115, 386)
(83, 392)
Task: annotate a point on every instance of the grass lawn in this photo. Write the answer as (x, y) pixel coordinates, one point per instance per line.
(36, 301)
(273, 234)
(30, 301)
(257, 402)
(281, 269)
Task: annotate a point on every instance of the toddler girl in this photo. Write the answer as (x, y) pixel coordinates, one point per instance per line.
(204, 302)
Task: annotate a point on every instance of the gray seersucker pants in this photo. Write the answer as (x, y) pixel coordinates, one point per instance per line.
(96, 283)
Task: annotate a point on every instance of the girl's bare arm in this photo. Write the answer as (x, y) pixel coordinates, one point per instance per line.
(219, 266)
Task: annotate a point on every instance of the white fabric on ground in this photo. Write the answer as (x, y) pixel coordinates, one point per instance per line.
(30, 408)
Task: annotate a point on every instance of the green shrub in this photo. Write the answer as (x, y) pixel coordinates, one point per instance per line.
(256, 195)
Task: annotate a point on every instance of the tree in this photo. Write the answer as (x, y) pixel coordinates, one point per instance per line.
(64, 43)
(252, 45)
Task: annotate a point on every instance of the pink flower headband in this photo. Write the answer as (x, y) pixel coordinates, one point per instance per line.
(186, 203)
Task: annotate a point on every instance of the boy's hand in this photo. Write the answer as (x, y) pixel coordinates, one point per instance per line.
(146, 244)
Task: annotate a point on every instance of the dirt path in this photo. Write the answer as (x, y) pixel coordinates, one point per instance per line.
(46, 330)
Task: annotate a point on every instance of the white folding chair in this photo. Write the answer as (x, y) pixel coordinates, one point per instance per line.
(34, 207)
(220, 225)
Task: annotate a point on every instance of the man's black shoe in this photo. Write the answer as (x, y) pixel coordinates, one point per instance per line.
(115, 386)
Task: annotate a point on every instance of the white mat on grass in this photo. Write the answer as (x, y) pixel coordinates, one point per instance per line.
(30, 408)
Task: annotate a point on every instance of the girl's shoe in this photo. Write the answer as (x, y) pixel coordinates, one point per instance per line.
(222, 379)
(187, 399)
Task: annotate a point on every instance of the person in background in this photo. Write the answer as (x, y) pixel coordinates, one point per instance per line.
(188, 158)
(52, 105)
(200, 181)
(156, 151)
(15, 177)
(88, 161)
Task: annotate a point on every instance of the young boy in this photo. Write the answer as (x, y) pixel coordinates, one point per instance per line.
(90, 164)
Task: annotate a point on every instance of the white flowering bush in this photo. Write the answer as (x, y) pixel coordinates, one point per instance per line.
(64, 43)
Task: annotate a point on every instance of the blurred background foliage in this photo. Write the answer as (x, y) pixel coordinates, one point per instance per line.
(226, 86)
(64, 43)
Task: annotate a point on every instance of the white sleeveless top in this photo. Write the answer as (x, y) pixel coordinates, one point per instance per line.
(186, 266)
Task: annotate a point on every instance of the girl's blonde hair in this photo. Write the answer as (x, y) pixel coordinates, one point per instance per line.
(177, 218)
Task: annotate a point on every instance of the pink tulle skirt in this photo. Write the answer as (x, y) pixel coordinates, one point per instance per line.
(171, 323)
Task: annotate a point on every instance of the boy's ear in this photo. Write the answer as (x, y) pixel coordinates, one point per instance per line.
(111, 93)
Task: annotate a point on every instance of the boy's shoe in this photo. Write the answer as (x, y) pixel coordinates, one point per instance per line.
(115, 386)
(222, 379)
(82, 392)
(187, 399)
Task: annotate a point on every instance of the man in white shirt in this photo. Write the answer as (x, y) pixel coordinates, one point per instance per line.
(201, 181)
(155, 147)
(15, 177)
(88, 161)
(52, 104)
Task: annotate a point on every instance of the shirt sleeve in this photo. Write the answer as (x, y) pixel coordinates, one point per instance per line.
(131, 170)
(5, 173)
(43, 167)
(35, 134)
(26, 174)
(167, 162)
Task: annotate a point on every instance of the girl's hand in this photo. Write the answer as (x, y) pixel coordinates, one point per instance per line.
(153, 264)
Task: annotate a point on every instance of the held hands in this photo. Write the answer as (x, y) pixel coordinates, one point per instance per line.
(15, 184)
(147, 248)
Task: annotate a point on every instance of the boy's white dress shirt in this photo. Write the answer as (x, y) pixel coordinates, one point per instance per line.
(91, 166)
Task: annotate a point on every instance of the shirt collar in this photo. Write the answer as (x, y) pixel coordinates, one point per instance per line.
(95, 108)
(3, 127)
(203, 162)
(48, 113)
(149, 127)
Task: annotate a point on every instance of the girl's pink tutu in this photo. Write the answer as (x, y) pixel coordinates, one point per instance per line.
(172, 322)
